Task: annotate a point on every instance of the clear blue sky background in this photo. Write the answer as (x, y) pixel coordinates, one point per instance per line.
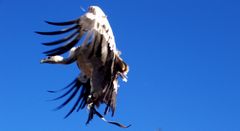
(183, 56)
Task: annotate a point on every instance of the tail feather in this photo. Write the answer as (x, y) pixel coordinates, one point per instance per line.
(94, 111)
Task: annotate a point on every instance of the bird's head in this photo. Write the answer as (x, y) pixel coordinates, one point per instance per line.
(52, 59)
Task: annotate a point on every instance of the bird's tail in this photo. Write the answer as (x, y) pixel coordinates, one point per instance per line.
(93, 111)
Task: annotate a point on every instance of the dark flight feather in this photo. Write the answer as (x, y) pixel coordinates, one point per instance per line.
(64, 48)
(63, 23)
(66, 93)
(78, 85)
(68, 100)
(61, 40)
(74, 81)
(58, 32)
(86, 92)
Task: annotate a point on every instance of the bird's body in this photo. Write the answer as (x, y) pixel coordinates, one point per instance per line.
(97, 58)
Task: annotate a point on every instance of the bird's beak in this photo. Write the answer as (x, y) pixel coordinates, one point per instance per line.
(45, 60)
(42, 61)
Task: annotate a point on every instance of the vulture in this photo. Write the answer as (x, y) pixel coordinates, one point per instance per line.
(97, 58)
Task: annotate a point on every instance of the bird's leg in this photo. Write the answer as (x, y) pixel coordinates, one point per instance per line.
(60, 60)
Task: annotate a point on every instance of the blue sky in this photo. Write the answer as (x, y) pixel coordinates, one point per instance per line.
(183, 57)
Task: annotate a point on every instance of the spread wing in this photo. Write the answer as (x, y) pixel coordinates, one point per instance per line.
(68, 41)
(82, 88)
(92, 23)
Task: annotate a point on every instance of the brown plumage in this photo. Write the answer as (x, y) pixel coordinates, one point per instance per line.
(97, 58)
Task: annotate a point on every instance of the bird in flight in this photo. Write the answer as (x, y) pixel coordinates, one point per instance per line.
(97, 58)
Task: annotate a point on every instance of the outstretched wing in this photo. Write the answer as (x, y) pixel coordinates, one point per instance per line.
(82, 88)
(70, 40)
(92, 23)
(76, 89)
